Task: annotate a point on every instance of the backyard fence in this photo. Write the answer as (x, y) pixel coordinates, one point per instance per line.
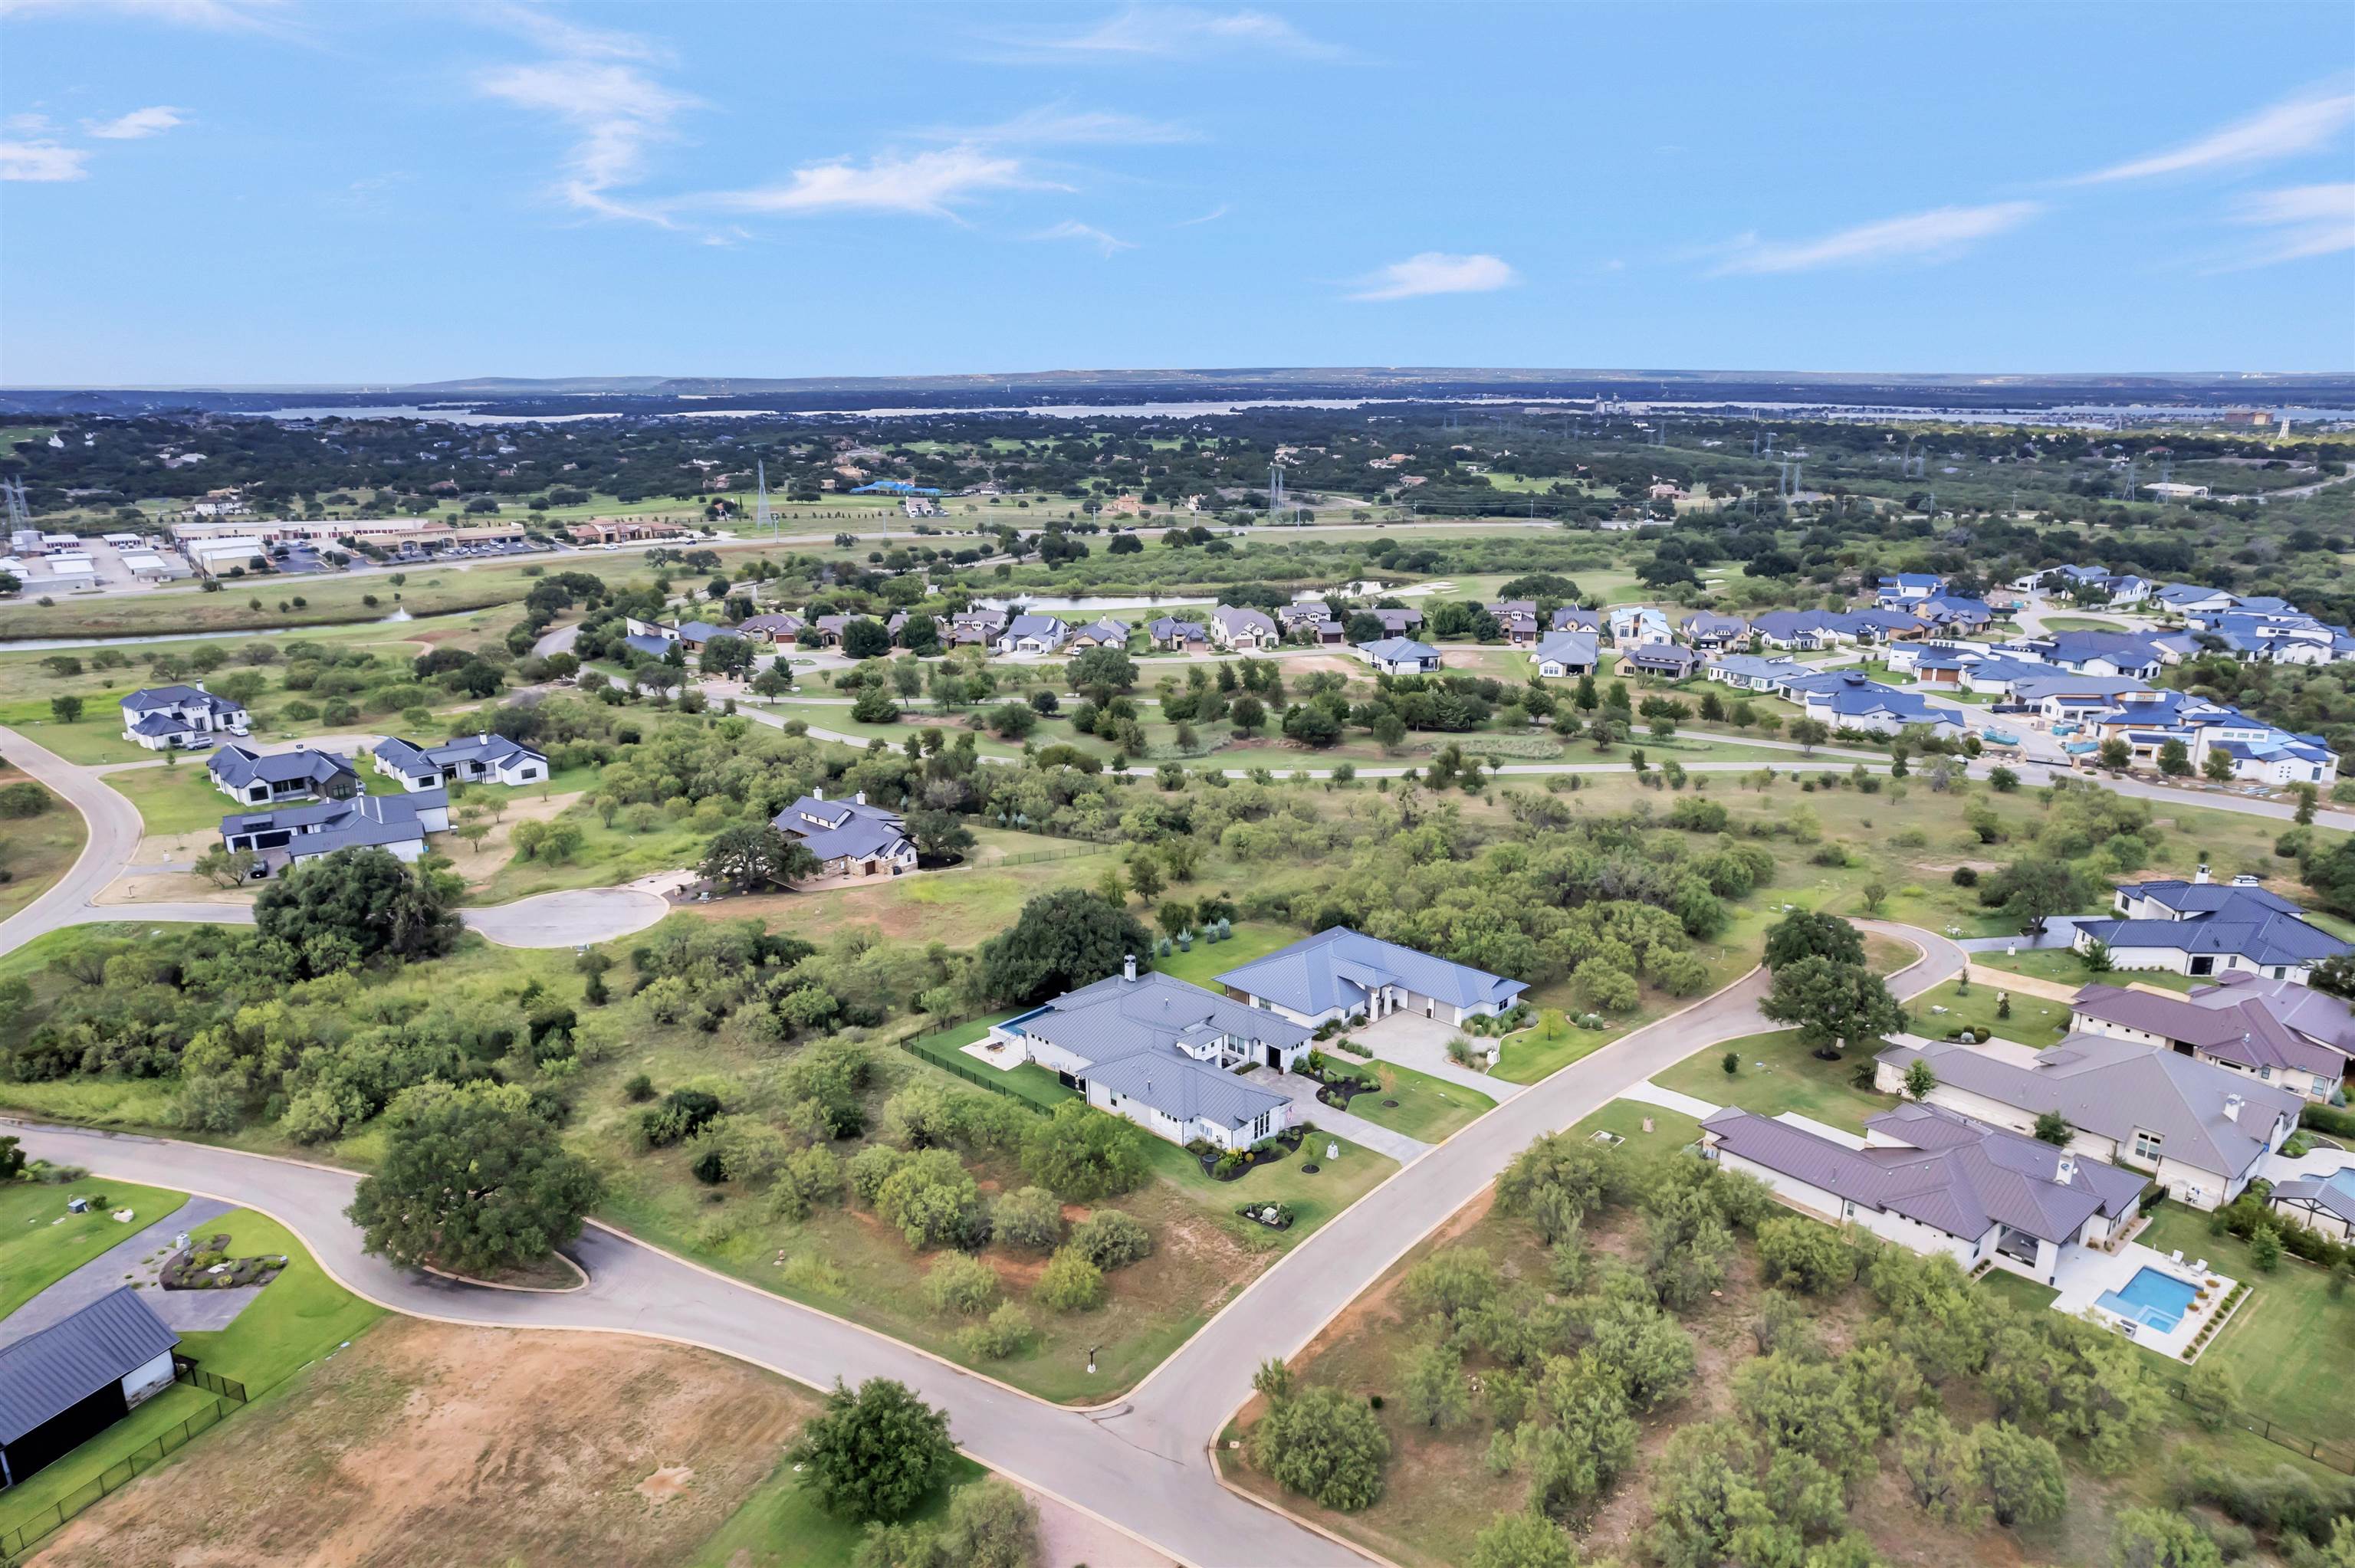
(951, 1060)
(229, 1394)
(1037, 857)
(2338, 1456)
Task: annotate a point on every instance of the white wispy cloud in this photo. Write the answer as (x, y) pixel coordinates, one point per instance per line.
(221, 16)
(1055, 126)
(1917, 237)
(1172, 32)
(1436, 272)
(561, 35)
(45, 162)
(616, 112)
(1071, 229)
(138, 123)
(2299, 220)
(1213, 215)
(931, 184)
(2292, 126)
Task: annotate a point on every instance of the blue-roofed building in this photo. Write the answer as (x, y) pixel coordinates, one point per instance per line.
(1909, 588)
(849, 837)
(1399, 656)
(1340, 973)
(1804, 628)
(284, 836)
(894, 487)
(1952, 614)
(252, 778)
(1853, 701)
(1749, 672)
(2208, 928)
(2184, 598)
(1567, 653)
(2101, 653)
(72, 1379)
(174, 717)
(484, 758)
(1164, 1054)
(1033, 634)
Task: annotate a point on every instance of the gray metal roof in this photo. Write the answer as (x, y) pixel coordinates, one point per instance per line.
(1339, 967)
(2240, 1029)
(1132, 1035)
(2110, 1087)
(46, 1375)
(238, 766)
(1568, 648)
(2335, 1193)
(2315, 1014)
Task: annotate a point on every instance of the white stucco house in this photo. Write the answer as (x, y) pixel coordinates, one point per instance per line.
(169, 718)
(1340, 973)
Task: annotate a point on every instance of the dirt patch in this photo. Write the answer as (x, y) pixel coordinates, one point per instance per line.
(480, 863)
(169, 886)
(425, 1444)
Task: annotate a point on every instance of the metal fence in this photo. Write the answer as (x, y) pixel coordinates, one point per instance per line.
(229, 1394)
(1037, 857)
(2338, 1456)
(950, 1060)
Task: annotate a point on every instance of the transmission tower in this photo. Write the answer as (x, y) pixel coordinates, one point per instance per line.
(1274, 490)
(763, 521)
(19, 515)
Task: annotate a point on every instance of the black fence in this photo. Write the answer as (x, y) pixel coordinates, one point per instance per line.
(2336, 1456)
(229, 1394)
(950, 1060)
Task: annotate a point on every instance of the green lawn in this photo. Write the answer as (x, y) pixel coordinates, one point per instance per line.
(1252, 939)
(1777, 1075)
(607, 857)
(2063, 967)
(298, 1317)
(1535, 1053)
(2287, 1346)
(783, 1525)
(2082, 623)
(1030, 1081)
(1337, 1185)
(1429, 1109)
(95, 738)
(1670, 1129)
(40, 1243)
(37, 849)
(2018, 1289)
(178, 799)
(2033, 1021)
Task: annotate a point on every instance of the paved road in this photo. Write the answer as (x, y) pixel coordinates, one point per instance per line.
(115, 829)
(1141, 1462)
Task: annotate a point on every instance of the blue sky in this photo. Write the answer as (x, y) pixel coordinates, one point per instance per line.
(254, 191)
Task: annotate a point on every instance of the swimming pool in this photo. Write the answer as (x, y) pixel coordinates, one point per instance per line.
(2154, 1299)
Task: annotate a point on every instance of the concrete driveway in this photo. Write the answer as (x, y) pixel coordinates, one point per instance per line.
(1411, 1040)
(569, 918)
(1301, 1092)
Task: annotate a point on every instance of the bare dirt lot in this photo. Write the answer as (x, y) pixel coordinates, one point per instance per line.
(425, 1444)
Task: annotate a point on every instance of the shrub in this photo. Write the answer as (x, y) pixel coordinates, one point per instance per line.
(1029, 1218)
(963, 1285)
(1324, 1444)
(680, 1116)
(933, 1201)
(1002, 1332)
(1110, 1239)
(1069, 1283)
(1082, 1154)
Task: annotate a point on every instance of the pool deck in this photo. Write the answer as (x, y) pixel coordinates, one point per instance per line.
(2086, 1274)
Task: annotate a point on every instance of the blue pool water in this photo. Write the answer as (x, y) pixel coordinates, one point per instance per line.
(2154, 1299)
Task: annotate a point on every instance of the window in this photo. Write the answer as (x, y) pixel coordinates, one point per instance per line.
(2146, 1146)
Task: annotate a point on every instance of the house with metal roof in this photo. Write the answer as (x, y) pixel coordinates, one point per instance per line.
(63, 1386)
(779, 626)
(1164, 1053)
(1241, 627)
(484, 759)
(2325, 1203)
(1933, 1180)
(1951, 614)
(1636, 623)
(1399, 656)
(1910, 587)
(2234, 1028)
(1711, 632)
(1801, 628)
(849, 837)
(284, 836)
(1033, 634)
(2183, 599)
(1570, 618)
(1106, 633)
(2201, 1130)
(1173, 635)
(1667, 661)
(1340, 973)
(1858, 703)
(2101, 653)
(254, 778)
(1749, 672)
(175, 717)
(2205, 928)
(2060, 697)
(1567, 653)
(1399, 622)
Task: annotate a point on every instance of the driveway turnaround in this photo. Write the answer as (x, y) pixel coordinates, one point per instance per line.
(569, 918)
(1301, 1092)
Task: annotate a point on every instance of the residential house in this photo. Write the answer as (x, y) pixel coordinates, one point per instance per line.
(1397, 622)
(1709, 633)
(1570, 618)
(1748, 673)
(282, 837)
(2185, 599)
(1934, 1182)
(1342, 974)
(2062, 698)
(1855, 702)
(694, 634)
(1800, 629)
(2325, 1203)
(1909, 588)
(2205, 928)
(1631, 624)
(177, 717)
(1176, 636)
(1311, 621)
(849, 837)
(651, 638)
(1879, 625)
(1517, 621)
(1033, 634)
(2201, 1132)
(781, 625)
(2146, 720)
(1106, 633)
(467, 759)
(2087, 582)
(1164, 1053)
(1954, 615)
(1567, 653)
(61, 1385)
(2235, 1029)
(254, 778)
(1399, 656)
(2101, 653)
(1663, 661)
(1238, 628)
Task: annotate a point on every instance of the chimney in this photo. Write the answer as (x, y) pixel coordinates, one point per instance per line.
(2200, 876)
(2233, 1103)
(2066, 1171)
(859, 798)
(1128, 967)
(818, 793)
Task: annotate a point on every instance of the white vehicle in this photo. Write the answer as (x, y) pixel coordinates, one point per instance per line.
(609, 546)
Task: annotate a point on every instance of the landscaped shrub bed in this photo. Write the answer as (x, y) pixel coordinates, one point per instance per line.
(192, 1269)
(1275, 1216)
(1232, 1165)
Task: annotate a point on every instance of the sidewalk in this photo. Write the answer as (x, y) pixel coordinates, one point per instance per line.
(1301, 1092)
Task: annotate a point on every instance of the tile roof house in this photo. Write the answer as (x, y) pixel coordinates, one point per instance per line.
(1178, 636)
(1106, 633)
(2234, 1028)
(167, 718)
(1567, 653)
(1399, 656)
(82, 1373)
(484, 758)
(284, 836)
(2202, 1130)
(1240, 627)
(2204, 928)
(1934, 1180)
(849, 837)
(1340, 973)
(1033, 634)
(1163, 1053)
(255, 777)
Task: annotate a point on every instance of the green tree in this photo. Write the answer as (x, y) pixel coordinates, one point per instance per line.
(1834, 1005)
(1523, 1540)
(1325, 1444)
(2218, 768)
(1431, 1377)
(353, 906)
(874, 1455)
(1919, 1078)
(874, 705)
(1806, 1253)
(2032, 891)
(2173, 759)
(2053, 1128)
(2160, 1538)
(1805, 933)
(990, 1525)
(1939, 1464)
(1062, 941)
(2021, 1472)
(66, 709)
(1082, 1154)
(751, 858)
(473, 1181)
(1809, 733)
(1103, 669)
